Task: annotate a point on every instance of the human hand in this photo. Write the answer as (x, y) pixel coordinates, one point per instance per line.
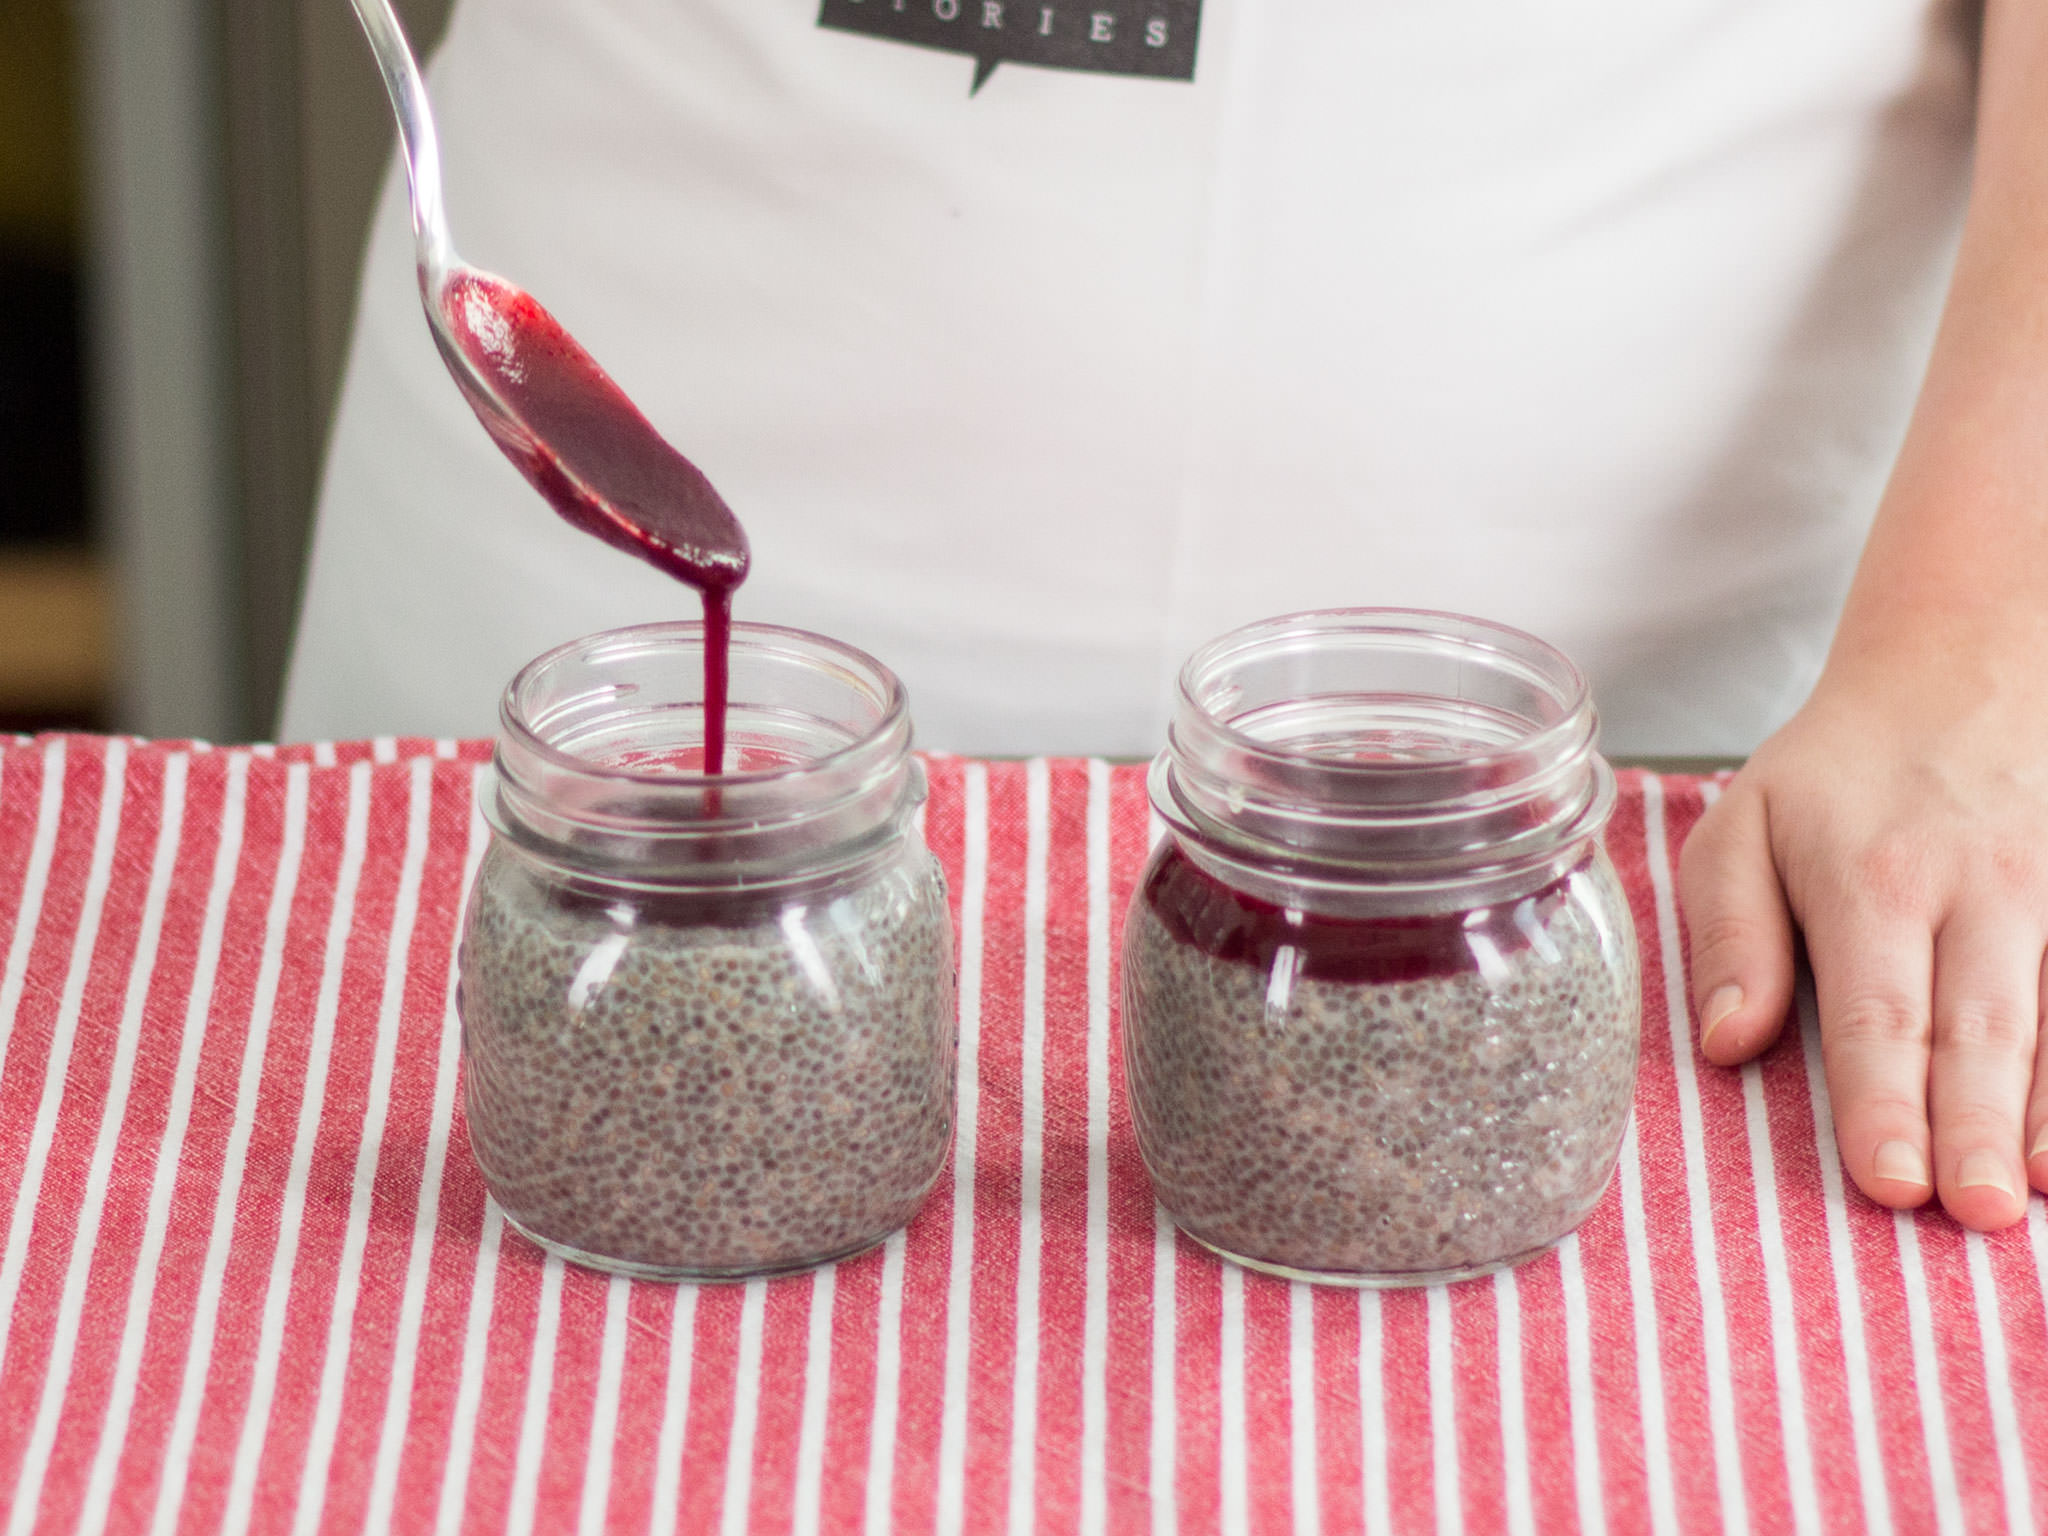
(1900, 821)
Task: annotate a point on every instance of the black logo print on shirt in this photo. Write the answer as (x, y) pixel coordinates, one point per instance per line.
(1116, 37)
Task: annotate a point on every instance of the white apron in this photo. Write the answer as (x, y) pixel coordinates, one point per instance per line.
(1028, 369)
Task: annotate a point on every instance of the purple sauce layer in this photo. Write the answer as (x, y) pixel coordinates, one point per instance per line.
(1200, 910)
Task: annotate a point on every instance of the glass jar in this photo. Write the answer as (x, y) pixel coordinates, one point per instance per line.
(1380, 982)
(708, 1023)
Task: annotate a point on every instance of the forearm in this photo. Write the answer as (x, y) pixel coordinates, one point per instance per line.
(1957, 560)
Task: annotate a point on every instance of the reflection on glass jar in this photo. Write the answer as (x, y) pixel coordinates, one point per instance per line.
(708, 1023)
(1381, 995)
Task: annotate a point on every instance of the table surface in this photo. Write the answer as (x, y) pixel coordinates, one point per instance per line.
(250, 1278)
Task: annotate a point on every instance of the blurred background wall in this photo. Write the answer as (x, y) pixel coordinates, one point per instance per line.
(54, 655)
(184, 190)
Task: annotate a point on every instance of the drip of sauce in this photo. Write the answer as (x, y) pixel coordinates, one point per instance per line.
(600, 463)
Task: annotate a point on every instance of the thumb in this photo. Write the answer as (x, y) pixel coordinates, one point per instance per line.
(1740, 927)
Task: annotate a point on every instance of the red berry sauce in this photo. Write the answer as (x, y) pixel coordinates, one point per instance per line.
(1199, 910)
(600, 463)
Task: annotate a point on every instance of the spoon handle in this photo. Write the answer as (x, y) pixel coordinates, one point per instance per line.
(421, 147)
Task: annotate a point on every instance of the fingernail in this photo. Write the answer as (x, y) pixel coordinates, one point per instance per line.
(2040, 1145)
(1985, 1170)
(1724, 1001)
(1901, 1162)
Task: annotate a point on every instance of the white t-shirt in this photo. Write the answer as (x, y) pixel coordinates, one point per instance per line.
(1598, 318)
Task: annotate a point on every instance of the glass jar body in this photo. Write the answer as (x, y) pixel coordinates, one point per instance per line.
(708, 1021)
(1386, 1100)
(1381, 992)
(708, 1089)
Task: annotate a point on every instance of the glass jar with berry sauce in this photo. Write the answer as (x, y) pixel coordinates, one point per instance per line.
(1380, 982)
(708, 1020)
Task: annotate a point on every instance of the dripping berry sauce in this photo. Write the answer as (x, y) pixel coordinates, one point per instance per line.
(600, 463)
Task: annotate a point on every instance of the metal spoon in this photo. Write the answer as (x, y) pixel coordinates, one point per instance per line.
(570, 430)
(432, 245)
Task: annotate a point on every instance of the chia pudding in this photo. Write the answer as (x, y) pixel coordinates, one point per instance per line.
(1384, 1100)
(688, 1087)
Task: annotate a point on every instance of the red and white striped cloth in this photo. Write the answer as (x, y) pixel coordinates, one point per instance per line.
(250, 1279)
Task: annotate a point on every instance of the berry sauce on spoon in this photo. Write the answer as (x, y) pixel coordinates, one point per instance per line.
(599, 462)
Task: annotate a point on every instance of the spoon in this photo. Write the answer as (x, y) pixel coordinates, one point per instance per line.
(547, 404)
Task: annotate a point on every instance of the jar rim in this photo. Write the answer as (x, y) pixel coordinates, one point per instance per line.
(1574, 693)
(515, 721)
(839, 793)
(1383, 751)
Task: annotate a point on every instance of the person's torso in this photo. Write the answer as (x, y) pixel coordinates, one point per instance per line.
(1037, 340)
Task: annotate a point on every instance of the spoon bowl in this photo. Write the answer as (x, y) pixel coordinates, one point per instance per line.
(544, 400)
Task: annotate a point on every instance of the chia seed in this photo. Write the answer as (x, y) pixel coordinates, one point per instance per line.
(680, 1089)
(1379, 1101)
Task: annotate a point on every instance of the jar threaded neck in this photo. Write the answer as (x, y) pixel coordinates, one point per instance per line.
(1403, 750)
(593, 770)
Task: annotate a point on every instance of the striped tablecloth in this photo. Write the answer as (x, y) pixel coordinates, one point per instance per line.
(250, 1279)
